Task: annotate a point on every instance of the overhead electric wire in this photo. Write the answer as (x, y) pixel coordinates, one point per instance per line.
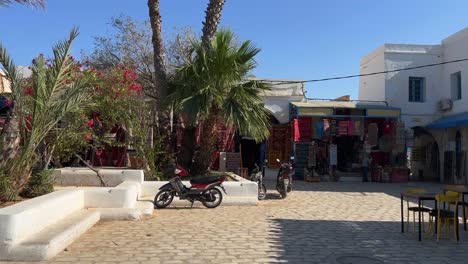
(364, 74)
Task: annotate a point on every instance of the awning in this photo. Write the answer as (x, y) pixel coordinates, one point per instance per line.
(457, 120)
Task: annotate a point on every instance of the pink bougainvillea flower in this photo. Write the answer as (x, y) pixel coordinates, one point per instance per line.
(88, 137)
(28, 91)
(90, 123)
(99, 153)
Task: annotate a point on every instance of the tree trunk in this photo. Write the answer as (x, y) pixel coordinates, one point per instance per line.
(204, 157)
(160, 80)
(185, 155)
(10, 140)
(160, 90)
(212, 17)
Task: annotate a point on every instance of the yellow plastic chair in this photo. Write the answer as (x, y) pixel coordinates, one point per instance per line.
(445, 216)
(460, 203)
(415, 209)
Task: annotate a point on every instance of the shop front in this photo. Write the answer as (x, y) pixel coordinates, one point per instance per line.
(340, 138)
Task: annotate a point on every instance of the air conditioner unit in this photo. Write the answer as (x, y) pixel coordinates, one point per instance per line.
(445, 104)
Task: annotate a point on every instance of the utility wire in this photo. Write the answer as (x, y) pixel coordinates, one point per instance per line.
(365, 74)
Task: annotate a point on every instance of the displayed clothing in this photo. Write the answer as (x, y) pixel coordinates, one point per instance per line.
(318, 129)
(386, 143)
(326, 129)
(373, 134)
(343, 128)
(400, 137)
(357, 128)
(333, 127)
(350, 128)
(311, 162)
(333, 154)
(302, 129)
(387, 127)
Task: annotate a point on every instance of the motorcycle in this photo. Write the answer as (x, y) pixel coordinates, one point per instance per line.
(284, 177)
(257, 176)
(206, 190)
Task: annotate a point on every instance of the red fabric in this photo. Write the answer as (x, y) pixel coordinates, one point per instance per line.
(302, 129)
(343, 128)
(296, 130)
(387, 127)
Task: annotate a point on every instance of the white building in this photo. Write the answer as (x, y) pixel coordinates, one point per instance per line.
(281, 93)
(433, 100)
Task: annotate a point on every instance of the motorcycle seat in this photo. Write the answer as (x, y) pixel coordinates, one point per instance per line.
(205, 180)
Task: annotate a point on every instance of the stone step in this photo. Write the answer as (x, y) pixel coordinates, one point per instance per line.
(55, 238)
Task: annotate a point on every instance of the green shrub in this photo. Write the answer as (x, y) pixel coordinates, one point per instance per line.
(7, 191)
(39, 184)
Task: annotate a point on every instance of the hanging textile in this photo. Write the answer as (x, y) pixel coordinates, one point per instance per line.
(400, 137)
(326, 129)
(333, 154)
(350, 128)
(385, 143)
(387, 127)
(343, 128)
(312, 155)
(318, 129)
(305, 129)
(333, 127)
(357, 128)
(296, 130)
(372, 134)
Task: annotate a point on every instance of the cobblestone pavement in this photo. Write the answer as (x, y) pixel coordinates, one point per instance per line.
(317, 223)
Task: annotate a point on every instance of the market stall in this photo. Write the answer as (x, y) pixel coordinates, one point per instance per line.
(352, 130)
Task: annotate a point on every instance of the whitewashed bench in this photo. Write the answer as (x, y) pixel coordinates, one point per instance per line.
(40, 228)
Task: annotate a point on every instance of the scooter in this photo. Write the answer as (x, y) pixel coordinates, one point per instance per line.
(206, 190)
(284, 177)
(257, 176)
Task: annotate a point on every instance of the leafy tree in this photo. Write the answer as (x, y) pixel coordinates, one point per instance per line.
(58, 88)
(213, 89)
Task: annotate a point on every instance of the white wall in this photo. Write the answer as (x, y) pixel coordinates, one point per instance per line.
(372, 87)
(279, 106)
(397, 84)
(456, 47)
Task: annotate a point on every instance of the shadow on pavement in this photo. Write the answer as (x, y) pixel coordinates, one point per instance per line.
(318, 241)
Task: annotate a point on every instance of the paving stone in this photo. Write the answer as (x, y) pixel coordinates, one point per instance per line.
(316, 222)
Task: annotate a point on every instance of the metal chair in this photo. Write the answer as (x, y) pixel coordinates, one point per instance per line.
(415, 209)
(445, 216)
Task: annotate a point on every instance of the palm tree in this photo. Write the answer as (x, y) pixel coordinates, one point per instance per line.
(160, 89)
(57, 90)
(213, 89)
(212, 17)
(33, 3)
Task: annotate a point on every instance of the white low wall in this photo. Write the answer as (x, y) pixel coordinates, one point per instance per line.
(21, 220)
(237, 193)
(124, 195)
(87, 177)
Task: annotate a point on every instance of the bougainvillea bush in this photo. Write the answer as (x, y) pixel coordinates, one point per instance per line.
(66, 109)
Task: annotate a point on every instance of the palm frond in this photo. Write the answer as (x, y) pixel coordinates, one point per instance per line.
(33, 3)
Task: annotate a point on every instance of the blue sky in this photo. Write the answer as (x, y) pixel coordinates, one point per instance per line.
(300, 39)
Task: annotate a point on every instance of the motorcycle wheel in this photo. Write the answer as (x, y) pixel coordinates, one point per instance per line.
(215, 194)
(262, 192)
(284, 192)
(289, 188)
(163, 198)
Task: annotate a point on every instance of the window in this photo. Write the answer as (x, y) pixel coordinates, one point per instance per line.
(455, 84)
(416, 89)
